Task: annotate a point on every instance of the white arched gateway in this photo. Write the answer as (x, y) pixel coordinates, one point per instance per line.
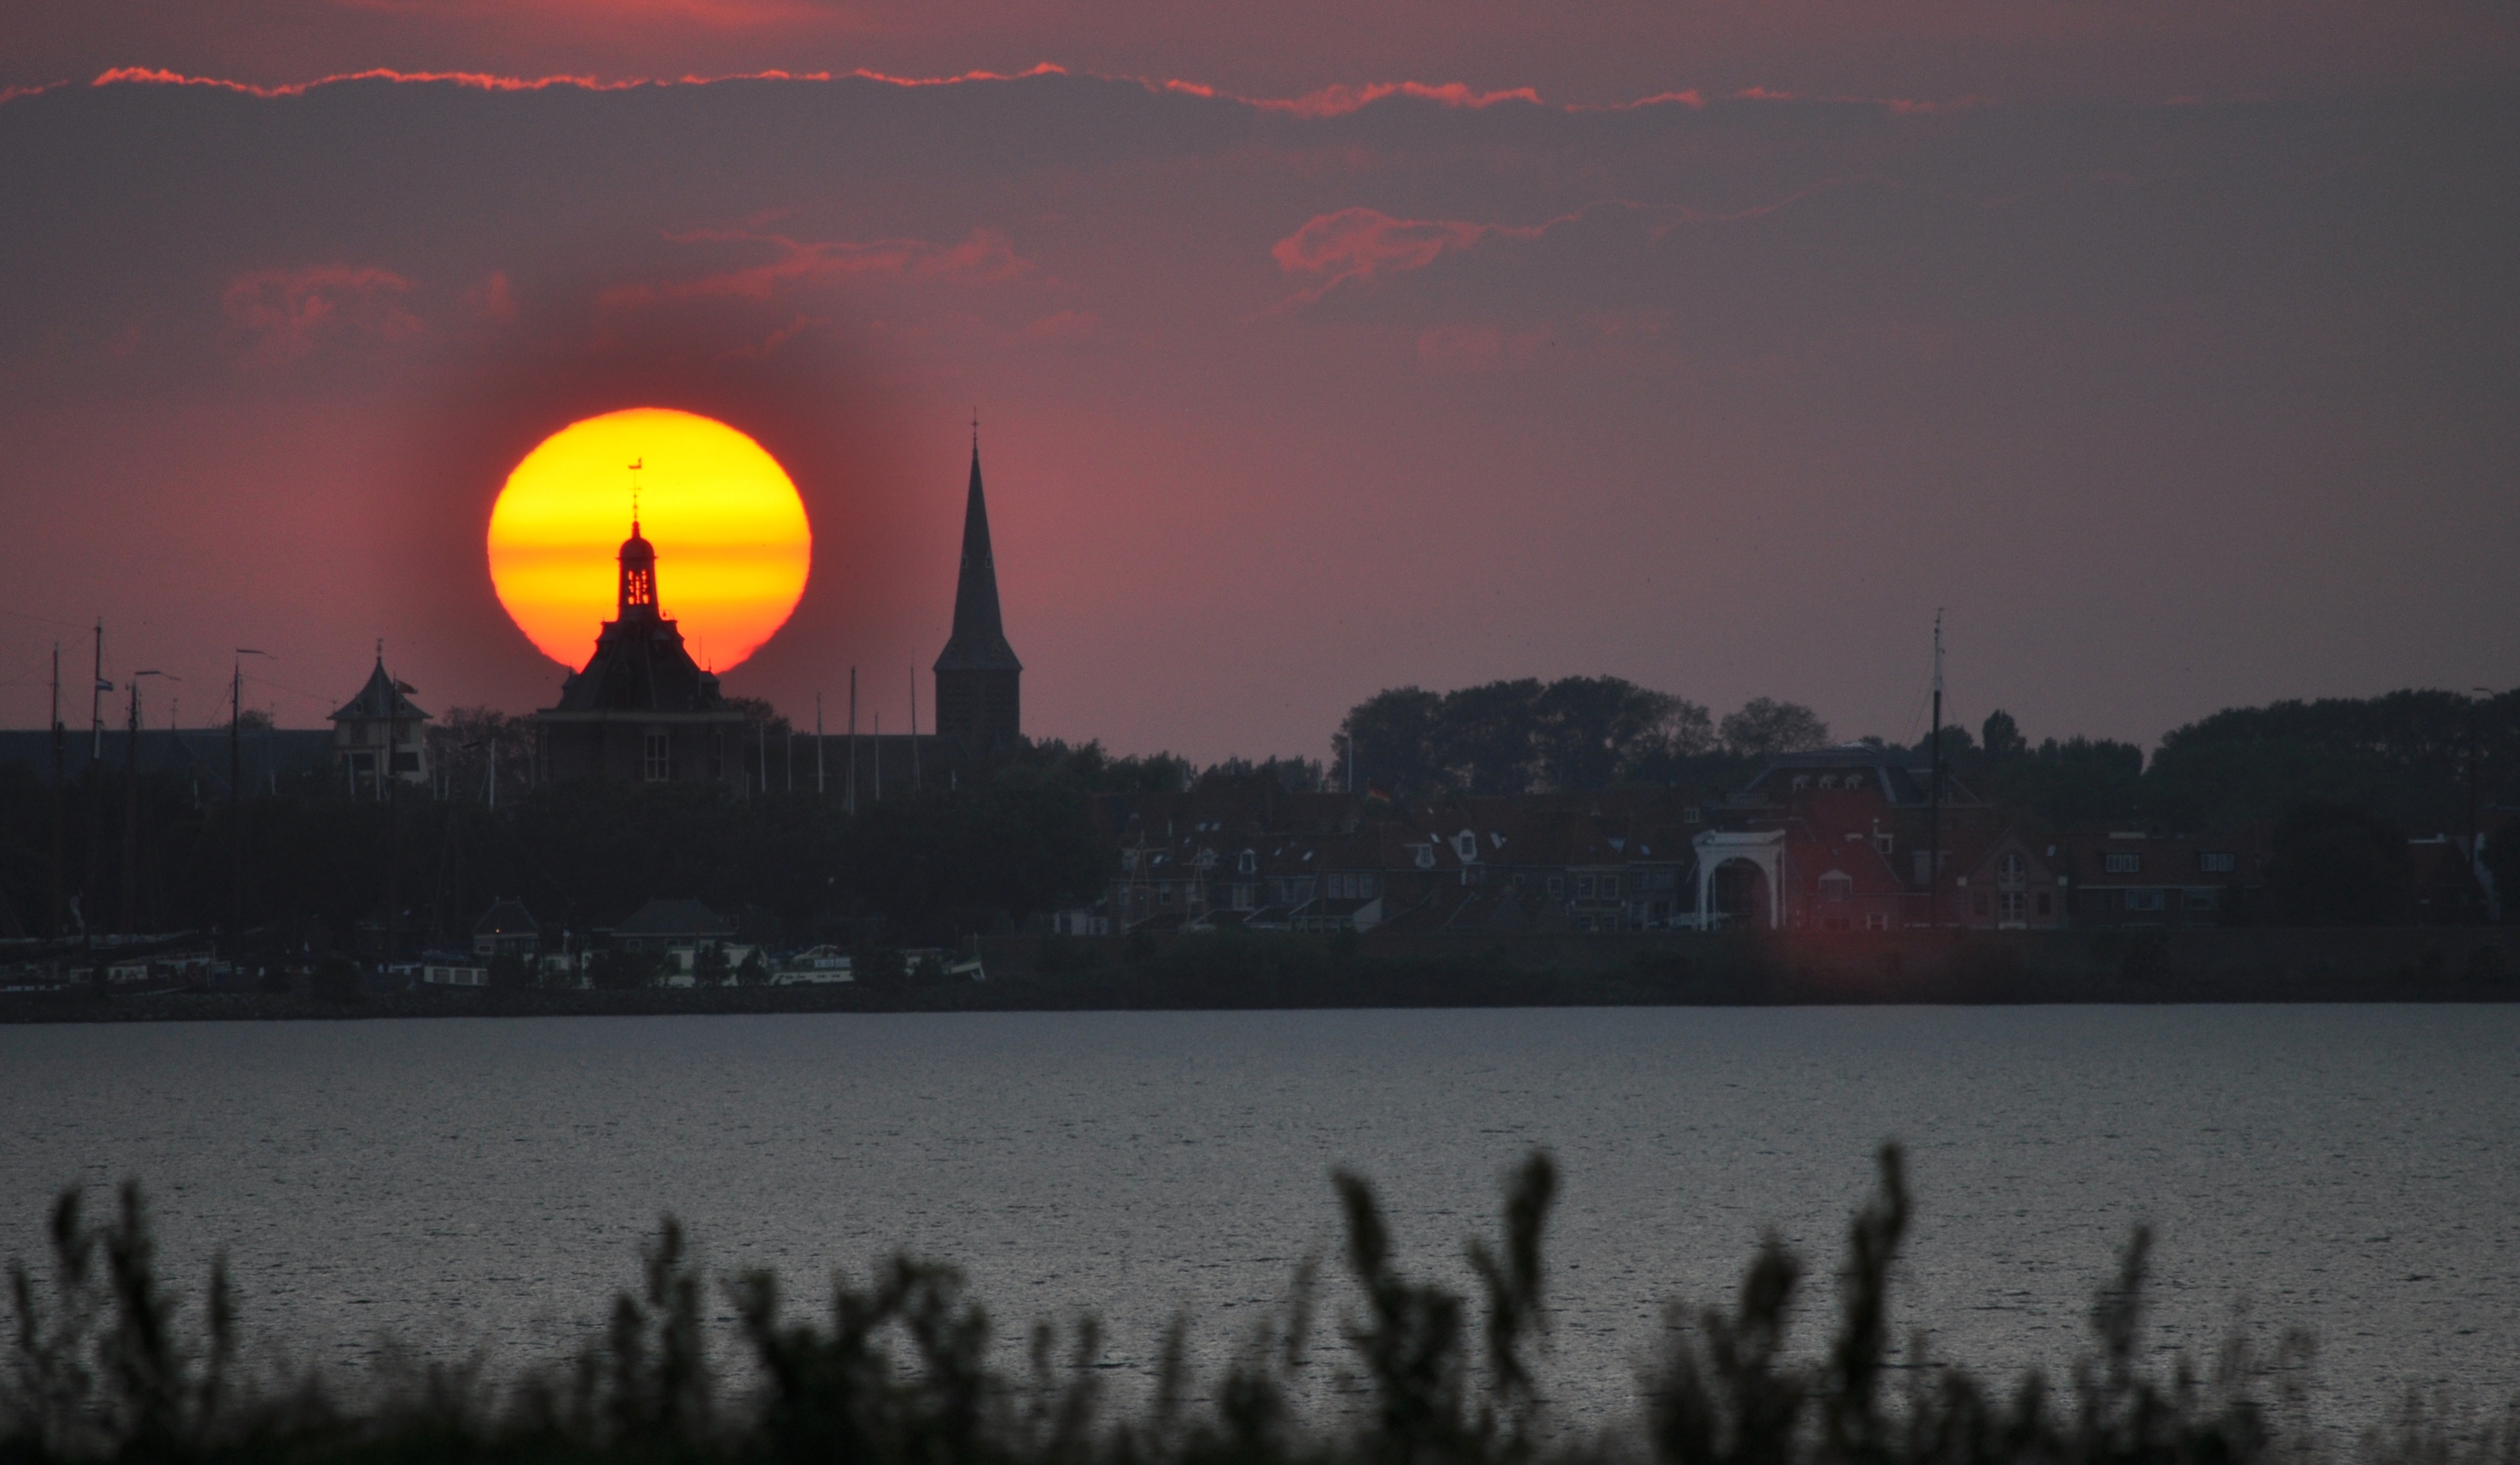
(1763, 849)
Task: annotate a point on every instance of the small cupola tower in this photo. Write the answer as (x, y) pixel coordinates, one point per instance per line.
(638, 575)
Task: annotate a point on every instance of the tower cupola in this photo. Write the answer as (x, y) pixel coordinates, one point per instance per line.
(638, 573)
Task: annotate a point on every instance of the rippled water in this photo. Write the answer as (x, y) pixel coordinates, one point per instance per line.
(462, 1183)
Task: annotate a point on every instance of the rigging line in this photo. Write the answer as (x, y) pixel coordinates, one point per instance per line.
(285, 687)
(41, 665)
(76, 626)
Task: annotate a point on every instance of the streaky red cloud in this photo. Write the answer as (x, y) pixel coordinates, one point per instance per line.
(1327, 103)
(289, 313)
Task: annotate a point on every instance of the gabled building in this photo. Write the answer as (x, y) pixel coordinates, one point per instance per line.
(665, 926)
(507, 929)
(641, 710)
(379, 737)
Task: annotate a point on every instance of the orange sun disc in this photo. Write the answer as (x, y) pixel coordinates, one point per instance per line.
(733, 547)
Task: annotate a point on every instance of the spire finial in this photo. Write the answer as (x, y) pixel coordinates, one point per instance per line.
(976, 429)
(636, 464)
(380, 648)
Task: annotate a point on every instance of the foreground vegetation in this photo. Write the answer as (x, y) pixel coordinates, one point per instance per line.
(901, 1370)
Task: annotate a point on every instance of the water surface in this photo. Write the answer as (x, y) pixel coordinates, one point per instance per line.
(462, 1183)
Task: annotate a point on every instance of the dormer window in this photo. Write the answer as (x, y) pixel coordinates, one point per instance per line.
(1424, 856)
(1248, 862)
(1802, 781)
(1466, 845)
(1837, 886)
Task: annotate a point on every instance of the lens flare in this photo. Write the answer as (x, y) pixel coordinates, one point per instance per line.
(732, 546)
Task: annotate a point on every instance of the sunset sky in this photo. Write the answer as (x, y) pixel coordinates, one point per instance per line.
(2174, 350)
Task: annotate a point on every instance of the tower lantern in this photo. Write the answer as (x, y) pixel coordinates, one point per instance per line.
(638, 572)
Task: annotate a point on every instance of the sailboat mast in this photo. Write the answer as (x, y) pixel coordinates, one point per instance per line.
(1934, 793)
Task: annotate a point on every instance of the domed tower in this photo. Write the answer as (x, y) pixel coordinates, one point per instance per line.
(638, 559)
(641, 711)
(979, 683)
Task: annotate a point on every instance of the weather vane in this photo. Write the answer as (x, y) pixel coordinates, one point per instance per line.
(635, 465)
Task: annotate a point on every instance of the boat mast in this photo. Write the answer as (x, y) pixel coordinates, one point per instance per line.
(1934, 793)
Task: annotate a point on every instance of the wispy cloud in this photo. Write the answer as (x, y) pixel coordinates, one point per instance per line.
(286, 314)
(983, 257)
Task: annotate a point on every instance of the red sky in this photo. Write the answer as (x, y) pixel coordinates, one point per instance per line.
(2170, 347)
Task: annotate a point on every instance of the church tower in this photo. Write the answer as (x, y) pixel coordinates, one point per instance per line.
(979, 704)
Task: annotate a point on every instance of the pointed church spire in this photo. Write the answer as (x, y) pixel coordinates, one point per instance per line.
(979, 639)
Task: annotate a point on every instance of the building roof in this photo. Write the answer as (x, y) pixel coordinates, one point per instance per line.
(382, 700)
(506, 917)
(675, 918)
(979, 639)
(1901, 777)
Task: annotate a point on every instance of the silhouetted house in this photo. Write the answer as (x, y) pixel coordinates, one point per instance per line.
(979, 683)
(507, 929)
(641, 711)
(2132, 878)
(378, 736)
(2002, 882)
(2448, 887)
(672, 926)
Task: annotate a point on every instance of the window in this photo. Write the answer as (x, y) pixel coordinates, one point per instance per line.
(2121, 861)
(1877, 921)
(1609, 887)
(406, 763)
(1557, 888)
(1690, 815)
(1164, 896)
(2217, 861)
(1583, 887)
(1426, 856)
(1885, 841)
(1837, 886)
(659, 762)
(1364, 888)
(1248, 862)
(2017, 908)
(1802, 781)
(1466, 845)
(1246, 897)
(2143, 899)
(2012, 872)
(2200, 897)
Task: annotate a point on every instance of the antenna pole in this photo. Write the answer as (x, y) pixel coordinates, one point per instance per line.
(878, 758)
(852, 797)
(817, 745)
(916, 782)
(1934, 793)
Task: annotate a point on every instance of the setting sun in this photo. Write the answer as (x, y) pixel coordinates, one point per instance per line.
(732, 545)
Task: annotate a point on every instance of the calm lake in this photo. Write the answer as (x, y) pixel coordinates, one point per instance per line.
(462, 1184)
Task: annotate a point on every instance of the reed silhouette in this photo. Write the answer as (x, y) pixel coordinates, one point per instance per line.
(105, 1364)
